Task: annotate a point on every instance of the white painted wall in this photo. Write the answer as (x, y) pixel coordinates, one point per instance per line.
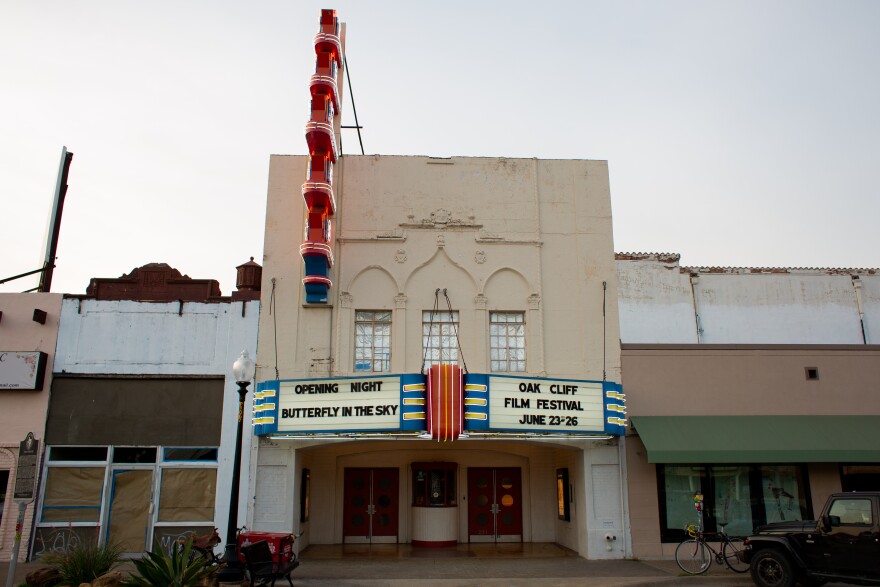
(792, 308)
(156, 338)
(656, 303)
(662, 303)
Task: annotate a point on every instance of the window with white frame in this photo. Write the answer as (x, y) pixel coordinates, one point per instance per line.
(372, 340)
(440, 337)
(106, 493)
(507, 341)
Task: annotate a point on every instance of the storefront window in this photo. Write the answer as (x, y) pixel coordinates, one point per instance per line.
(732, 504)
(187, 495)
(73, 494)
(861, 477)
(434, 484)
(160, 493)
(784, 499)
(738, 497)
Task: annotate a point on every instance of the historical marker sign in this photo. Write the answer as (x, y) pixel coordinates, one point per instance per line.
(26, 472)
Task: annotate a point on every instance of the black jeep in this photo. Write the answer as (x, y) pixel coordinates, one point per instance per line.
(843, 545)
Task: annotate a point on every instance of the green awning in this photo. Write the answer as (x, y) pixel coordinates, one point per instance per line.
(760, 439)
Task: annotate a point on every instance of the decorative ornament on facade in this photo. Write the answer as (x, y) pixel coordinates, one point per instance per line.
(441, 241)
(534, 302)
(317, 247)
(400, 256)
(480, 257)
(481, 302)
(440, 216)
(345, 300)
(400, 301)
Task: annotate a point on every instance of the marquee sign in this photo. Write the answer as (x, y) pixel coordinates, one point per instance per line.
(540, 405)
(401, 403)
(22, 370)
(387, 403)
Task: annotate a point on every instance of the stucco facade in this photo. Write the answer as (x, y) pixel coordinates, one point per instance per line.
(784, 357)
(141, 426)
(526, 238)
(23, 410)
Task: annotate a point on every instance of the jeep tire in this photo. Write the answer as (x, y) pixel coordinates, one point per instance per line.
(771, 568)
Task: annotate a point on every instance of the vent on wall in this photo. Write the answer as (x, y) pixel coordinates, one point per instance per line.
(812, 373)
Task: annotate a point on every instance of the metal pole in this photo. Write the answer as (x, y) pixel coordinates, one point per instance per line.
(353, 109)
(10, 576)
(233, 572)
(55, 221)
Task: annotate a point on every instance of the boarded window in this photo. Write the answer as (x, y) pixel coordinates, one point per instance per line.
(73, 494)
(187, 495)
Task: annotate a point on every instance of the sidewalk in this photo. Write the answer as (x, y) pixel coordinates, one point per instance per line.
(533, 565)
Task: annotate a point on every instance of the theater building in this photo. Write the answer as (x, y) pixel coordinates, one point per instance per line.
(494, 274)
(438, 358)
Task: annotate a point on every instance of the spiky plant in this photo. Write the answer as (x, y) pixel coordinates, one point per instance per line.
(85, 562)
(178, 569)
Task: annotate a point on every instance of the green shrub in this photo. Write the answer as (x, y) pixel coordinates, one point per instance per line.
(85, 562)
(159, 569)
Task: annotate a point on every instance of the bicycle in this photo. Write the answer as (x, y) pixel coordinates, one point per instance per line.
(692, 555)
(202, 547)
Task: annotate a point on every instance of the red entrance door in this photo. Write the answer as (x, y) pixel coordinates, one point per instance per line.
(494, 504)
(371, 508)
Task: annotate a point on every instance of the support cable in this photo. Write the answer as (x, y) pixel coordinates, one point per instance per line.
(431, 329)
(604, 336)
(274, 313)
(455, 329)
(351, 94)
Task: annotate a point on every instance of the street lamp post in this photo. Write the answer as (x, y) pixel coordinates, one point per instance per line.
(243, 369)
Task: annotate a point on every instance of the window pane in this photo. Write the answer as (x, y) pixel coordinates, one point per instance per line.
(852, 511)
(506, 333)
(783, 493)
(732, 499)
(372, 344)
(78, 453)
(439, 341)
(73, 494)
(190, 454)
(680, 485)
(63, 538)
(187, 495)
(168, 536)
(134, 454)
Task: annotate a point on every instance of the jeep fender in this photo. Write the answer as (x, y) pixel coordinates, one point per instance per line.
(779, 543)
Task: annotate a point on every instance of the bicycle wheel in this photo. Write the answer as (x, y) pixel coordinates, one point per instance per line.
(693, 557)
(732, 548)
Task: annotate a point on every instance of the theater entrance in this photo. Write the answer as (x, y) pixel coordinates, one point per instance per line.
(371, 505)
(494, 504)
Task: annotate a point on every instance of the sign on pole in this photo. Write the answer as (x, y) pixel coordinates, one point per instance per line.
(24, 492)
(26, 472)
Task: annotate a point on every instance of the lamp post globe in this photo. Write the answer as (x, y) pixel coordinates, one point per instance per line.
(243, 369)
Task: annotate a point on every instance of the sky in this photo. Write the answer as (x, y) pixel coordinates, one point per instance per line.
(742, 133)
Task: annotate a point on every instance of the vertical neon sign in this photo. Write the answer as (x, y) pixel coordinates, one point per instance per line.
(317, 249)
